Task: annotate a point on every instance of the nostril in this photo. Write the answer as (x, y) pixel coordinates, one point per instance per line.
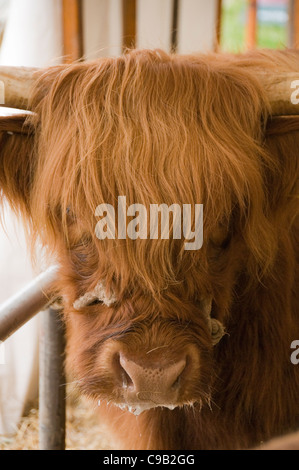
(178, 373)
(126, 379)
(126, 372)
(176, 383)
(120, 372)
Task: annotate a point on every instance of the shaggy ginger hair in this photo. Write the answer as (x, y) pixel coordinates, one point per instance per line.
(162, 128)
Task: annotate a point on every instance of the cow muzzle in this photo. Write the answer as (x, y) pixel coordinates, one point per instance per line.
(146, 385)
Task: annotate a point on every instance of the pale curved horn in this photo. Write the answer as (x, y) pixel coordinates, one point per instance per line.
(15, 85)
(282, 90)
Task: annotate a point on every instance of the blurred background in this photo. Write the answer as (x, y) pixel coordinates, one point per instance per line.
(105, 27)
(46, 32)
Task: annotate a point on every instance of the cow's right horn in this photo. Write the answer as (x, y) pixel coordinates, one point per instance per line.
(15, 85)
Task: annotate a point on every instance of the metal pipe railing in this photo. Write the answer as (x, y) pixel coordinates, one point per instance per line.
(19, 308)
(14, 313)
(52, 382)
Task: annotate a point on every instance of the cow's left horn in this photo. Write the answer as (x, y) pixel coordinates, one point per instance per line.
(282, 90)
(15, 85)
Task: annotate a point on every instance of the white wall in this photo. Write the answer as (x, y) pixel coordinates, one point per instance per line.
(154, 20)
(33, 33)
(102, 26)
(196, 25)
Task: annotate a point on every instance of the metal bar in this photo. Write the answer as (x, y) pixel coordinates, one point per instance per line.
(251, 24)
(72, 30)
(174, 27)
(17, 310)
(52, 382)
(129, 24)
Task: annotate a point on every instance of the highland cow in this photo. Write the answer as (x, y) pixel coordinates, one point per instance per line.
(196, 343)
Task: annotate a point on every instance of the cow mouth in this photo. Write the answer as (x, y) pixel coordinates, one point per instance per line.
(138, 408)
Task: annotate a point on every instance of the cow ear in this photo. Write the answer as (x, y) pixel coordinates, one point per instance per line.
(16, 161)
(216, 328)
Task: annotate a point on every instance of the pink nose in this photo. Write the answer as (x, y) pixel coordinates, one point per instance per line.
(159, 384)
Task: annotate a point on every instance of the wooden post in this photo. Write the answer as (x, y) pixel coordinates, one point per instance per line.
(52, 382)
(129, 24)
(251, 24)
(72, 30)
(294, 23)
(174, 28)
(218, 26)
(291, 10)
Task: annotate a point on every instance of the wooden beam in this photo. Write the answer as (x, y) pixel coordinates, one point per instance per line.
(174, 26)
(251, 32)
(294, 23)
(288, 442)
(129, 24)
(217, 45)
(291, 9)
(72, 30)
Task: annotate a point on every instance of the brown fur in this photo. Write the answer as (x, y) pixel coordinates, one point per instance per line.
(171, 129)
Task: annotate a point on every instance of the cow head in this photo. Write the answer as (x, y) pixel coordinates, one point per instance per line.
(144, 316)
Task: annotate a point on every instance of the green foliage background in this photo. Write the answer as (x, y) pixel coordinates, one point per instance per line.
(233, 29)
